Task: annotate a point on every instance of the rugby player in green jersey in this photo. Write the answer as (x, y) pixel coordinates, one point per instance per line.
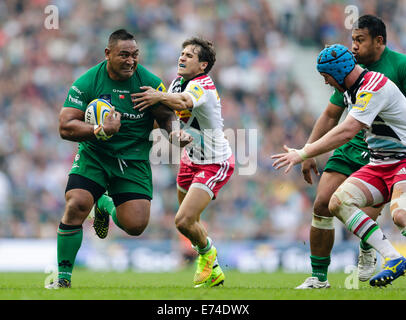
(119, 165)
(370, 50)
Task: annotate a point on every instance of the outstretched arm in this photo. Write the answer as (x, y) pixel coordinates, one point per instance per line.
(150, 96)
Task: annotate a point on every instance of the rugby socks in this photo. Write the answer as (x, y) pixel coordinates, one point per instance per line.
(69, 240)
(206, 249)
(402, 231)
(106, 203)
(364, 246)
(367, 230)
(320, 267)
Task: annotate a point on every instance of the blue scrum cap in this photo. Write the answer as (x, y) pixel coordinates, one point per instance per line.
(337, 61)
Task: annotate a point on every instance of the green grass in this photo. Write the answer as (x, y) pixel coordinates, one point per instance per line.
(88, 285)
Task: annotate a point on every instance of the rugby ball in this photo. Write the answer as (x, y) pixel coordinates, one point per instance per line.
(96, 112)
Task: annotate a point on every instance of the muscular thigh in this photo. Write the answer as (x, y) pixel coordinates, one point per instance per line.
(181, 195)
(193, 203)
(134, 212)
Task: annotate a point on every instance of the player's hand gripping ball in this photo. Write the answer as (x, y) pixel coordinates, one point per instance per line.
(95, 114)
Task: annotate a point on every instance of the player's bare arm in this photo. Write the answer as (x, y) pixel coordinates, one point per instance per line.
(335, 138)
(150, 96)
(327, 120)
(73, 128)
(165, 119)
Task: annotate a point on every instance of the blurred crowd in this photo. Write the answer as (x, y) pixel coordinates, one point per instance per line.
(253, 74)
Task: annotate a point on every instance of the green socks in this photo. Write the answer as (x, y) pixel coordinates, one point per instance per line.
(204, 250)
(320, 267)
(106, 204)
(365, 246)
(69, 240)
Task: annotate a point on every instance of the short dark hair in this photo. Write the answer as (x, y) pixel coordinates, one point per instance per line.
(207, 53)
(121, 34)
(376, 27)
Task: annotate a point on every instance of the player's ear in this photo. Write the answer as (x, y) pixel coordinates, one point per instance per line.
(379, 40)
(203, 65)
(106, 53)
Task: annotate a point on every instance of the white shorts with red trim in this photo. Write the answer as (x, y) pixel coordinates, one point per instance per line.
(209, 177)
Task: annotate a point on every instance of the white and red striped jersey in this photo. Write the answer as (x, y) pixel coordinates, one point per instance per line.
(204, 121)
(381, 106)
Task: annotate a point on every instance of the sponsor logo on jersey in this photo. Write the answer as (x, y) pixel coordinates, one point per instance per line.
(75, 100)
(132, 116)
(196, 91)
(161, 87)
(120, 91)
(106, 97)
(74, 88)
(362, 100)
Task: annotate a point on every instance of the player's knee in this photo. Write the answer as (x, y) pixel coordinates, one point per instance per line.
(335, 204)
(397, 217)
(320, 207)
(183, 223)
(135, 229)
(398, 210)
(77, 206)
(76, 210)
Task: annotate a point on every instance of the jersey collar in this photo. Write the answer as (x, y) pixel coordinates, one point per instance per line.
(184, 82)
(352, 91)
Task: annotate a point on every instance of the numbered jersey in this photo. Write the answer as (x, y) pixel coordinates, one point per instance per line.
(379, 104)
(203, 121)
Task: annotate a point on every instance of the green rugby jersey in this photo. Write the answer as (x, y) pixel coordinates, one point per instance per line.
(393, 65)
(132, 141)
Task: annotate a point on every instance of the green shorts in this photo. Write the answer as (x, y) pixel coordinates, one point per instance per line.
(347, 159)
(113, 174)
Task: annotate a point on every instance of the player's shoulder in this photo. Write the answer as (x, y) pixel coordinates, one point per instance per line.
(396, 56)
(92, 73)
(398, 61)
(205, 81)
(86, 82)
(373, 81)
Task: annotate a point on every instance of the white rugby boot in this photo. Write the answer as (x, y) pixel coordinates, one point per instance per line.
(366, 264)
(314, 283)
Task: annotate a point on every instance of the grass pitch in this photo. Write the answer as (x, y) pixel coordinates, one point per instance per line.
(88, 285)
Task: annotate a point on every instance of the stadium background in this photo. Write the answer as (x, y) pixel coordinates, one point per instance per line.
(265, 74)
